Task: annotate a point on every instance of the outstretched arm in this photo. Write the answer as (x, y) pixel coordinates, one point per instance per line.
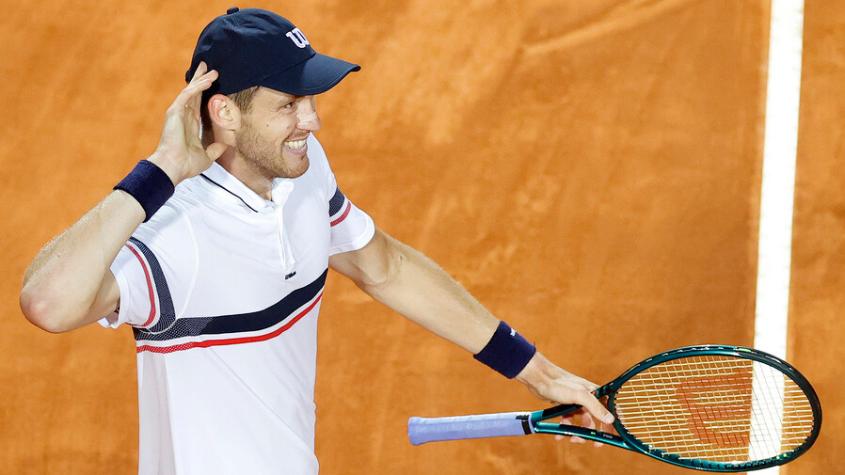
(415, 286)
(69, 284)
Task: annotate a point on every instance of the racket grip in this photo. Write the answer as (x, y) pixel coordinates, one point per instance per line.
(422, 430)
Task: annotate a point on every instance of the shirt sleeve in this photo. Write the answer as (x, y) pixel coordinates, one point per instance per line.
(137, 295)
(351, 227)
(155, 271)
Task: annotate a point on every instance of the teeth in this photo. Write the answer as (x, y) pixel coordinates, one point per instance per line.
(296, 144)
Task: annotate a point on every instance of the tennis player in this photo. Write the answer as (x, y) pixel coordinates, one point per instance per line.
(215, 250)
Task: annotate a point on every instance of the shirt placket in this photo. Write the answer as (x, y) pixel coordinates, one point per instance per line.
(280, 196)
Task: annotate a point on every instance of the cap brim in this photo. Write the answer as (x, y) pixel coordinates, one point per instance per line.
(317, 74)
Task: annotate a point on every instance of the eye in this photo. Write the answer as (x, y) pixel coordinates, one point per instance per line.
(288, 106)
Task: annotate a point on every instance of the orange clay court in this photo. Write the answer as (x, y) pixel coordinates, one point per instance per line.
(590, 170)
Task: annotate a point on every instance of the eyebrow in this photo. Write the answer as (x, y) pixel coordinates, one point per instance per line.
(282, 101)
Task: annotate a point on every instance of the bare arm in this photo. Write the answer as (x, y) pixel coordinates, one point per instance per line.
(69, 284)
(413, 285)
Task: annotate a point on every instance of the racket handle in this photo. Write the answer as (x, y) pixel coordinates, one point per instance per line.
(422, 430)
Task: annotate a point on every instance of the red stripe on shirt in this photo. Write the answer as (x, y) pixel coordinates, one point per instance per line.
(230, 341)
(149, 286)
(344, 215)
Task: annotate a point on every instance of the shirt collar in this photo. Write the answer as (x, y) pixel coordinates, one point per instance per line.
(219, 176)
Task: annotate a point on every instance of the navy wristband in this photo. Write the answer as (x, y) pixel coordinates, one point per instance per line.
(148, 184)
(507, 351)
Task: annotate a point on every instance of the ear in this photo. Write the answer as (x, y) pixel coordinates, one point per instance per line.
(223, 112)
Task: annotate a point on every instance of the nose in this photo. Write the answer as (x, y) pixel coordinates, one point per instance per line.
(307, 115)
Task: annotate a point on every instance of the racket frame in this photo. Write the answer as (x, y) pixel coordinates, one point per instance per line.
(627, 441)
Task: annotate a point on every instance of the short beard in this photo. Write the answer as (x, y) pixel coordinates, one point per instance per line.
(262, 155)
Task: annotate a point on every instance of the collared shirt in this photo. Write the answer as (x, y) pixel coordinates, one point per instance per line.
(222, 289)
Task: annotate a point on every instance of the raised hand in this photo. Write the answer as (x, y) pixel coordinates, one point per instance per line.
(180, 152)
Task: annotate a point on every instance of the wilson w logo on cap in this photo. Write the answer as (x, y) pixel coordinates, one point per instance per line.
(298, 37)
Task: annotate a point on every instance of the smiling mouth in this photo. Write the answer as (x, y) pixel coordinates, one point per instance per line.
(296, 144)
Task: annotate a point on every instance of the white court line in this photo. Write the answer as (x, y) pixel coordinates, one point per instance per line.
(778, 186)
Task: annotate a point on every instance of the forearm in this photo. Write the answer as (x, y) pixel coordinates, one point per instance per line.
(416, 287)
(413, 285)
(64, 278)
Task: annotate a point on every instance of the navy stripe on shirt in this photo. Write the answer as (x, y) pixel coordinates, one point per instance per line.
(242, 322)
(336, 202)
(165, 302)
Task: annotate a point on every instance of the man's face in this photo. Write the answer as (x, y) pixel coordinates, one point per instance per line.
(273, 132)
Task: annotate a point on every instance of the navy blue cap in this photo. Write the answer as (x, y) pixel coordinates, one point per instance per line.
(254, 47)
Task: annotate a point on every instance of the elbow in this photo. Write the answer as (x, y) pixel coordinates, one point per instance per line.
(384, 275)
(41, 313)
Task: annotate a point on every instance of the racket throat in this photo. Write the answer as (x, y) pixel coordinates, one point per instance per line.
(582, 432)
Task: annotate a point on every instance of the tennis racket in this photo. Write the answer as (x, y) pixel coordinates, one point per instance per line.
(713, 407)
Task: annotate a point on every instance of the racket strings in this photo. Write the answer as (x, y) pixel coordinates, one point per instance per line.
(717, 408)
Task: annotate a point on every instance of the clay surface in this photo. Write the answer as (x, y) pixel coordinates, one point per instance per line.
(589, 170)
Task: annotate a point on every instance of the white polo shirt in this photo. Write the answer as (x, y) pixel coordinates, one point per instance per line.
(223, 289)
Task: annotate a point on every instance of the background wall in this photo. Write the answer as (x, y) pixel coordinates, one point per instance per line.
(589, 170)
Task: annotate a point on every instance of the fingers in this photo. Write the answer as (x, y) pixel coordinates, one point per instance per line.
(594, 407)
(591, 424)
(573, 438)
(583, 393)
(202, 73)
(201, 69)
(201, 81)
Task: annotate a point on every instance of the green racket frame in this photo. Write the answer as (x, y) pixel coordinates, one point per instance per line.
(627, 441)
